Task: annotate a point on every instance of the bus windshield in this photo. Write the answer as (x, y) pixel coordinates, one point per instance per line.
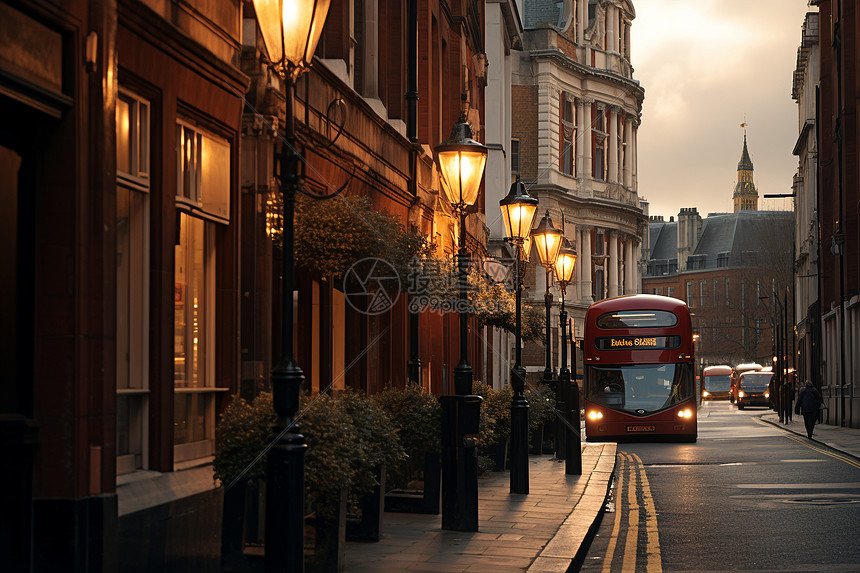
(755, 382)
(647, 387)
(718, 383)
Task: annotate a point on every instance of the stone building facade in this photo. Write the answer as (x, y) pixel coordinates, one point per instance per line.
(577, 112)
(838, 219)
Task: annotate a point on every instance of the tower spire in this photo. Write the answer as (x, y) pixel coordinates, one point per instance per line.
(745, 197)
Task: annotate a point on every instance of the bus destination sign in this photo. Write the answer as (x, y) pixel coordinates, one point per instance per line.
(637, 342)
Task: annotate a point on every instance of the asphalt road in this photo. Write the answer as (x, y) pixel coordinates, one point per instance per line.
(746, 496)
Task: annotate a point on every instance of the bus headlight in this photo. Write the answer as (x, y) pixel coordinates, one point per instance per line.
(767, 394)
(705, 393)
(740, 393)
(595, 415)
(685, 413)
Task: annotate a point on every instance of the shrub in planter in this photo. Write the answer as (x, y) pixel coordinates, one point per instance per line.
(495, 422)
(417, 418)
(349, 439)
(377, 447)
(541, 412)
(241, 436)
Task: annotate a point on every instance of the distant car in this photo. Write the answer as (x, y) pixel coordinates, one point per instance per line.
(753, 389)
(716, 382)
(738, 370)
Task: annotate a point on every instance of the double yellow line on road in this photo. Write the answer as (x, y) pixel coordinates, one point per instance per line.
(821, 450)
(633, 494)
(815, 446)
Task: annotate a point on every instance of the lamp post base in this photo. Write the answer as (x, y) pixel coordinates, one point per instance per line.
(519, 433)
(285, 515)
(460, 416)
(573, 441)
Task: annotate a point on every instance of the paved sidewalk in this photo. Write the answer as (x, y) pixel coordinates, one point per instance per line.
(539, 532)
(845, 440)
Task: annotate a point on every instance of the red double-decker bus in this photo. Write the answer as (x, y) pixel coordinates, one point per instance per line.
(639, 370)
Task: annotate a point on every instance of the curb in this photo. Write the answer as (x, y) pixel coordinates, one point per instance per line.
(567, 549)
(782, 427)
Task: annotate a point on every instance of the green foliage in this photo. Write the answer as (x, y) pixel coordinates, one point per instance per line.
(330, 236)
(417, 417)
(242, 435)
(541, 406)
(374, 438)
(495, 422)
(496, 411)
(329, 436)
(485, 465)
(348, 438)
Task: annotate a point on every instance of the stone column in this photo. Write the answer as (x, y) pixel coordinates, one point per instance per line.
(613, 145)
(629, 265)
(628, 149)
(587, 169)
(611, 17)
(613, 264)
(586, 265)
(577, 270)
(634, 168)
(637, 256)
(581, 17)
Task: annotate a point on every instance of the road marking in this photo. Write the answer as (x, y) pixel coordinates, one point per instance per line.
(616, 527)
(814, 447)
(632, 540)
(654, 560)
(632, 480)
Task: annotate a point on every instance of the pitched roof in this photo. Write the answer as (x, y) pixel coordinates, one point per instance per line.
(664, 240)
(746, 238)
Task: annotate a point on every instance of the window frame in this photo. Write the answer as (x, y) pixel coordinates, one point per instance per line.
(132, 285)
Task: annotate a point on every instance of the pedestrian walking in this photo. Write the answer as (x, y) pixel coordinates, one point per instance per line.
(808, 403)
(788, 392)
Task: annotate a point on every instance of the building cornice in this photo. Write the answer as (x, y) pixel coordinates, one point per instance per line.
(563, 61)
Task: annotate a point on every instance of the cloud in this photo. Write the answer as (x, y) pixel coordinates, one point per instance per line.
(706, 66)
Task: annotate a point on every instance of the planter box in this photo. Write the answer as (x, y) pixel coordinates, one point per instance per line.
(325, 540)
(420, 501)
(368, 526)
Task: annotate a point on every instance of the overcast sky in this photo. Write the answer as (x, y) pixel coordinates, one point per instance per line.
(706, 65)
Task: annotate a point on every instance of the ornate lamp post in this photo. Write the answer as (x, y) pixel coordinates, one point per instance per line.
(547, 240)
(564, 265)
(461, 162)
(290, 31)
(518, 212)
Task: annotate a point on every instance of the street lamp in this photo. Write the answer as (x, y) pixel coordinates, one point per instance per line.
(461, 162)
(518, 212)
(547, 240)
(290, 31)
(565, 262)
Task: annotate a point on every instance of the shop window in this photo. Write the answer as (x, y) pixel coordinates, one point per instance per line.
(203, 177)
(194, 336)
(132, 283)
